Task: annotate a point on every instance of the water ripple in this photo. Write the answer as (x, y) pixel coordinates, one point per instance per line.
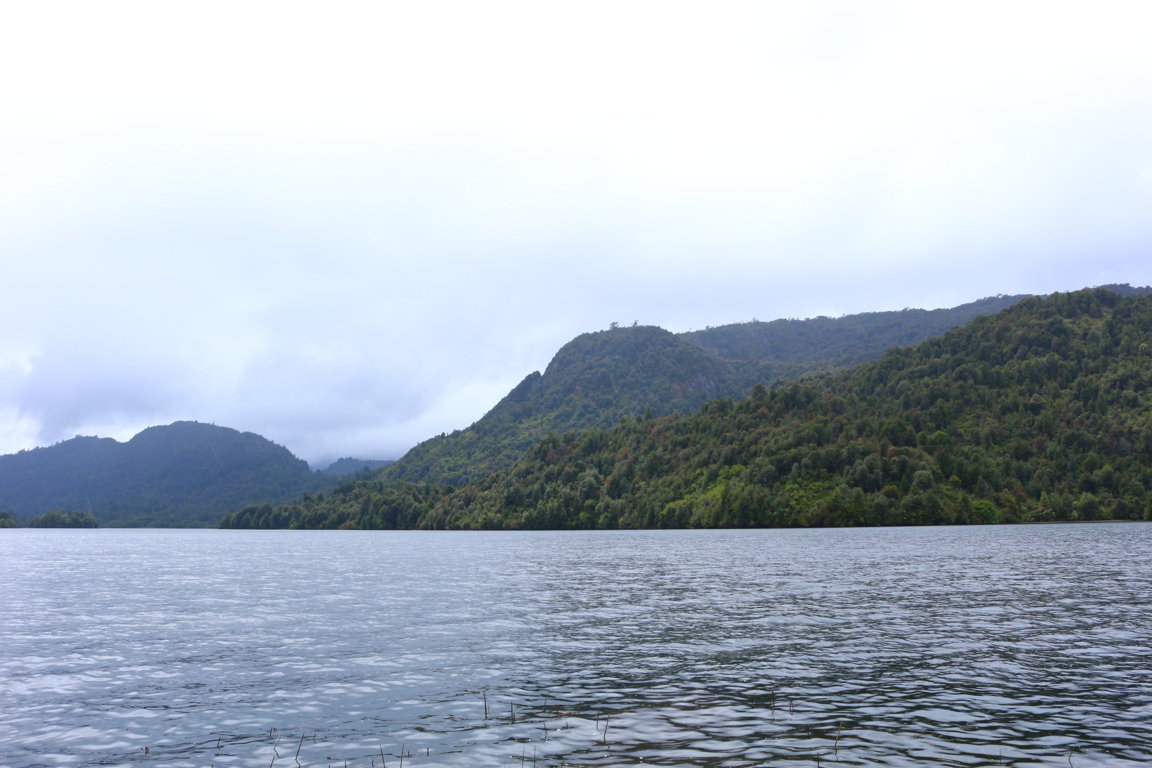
(1028, 646)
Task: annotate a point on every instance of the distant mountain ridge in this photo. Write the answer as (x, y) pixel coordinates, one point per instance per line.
(185, 474)
(831, 342)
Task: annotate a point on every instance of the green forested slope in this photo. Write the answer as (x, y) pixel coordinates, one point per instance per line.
(64, 519)
(598, 379)
(1041, 412)
(370, 503)
(595, 380)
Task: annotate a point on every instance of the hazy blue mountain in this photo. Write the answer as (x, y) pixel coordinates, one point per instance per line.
(185, 474)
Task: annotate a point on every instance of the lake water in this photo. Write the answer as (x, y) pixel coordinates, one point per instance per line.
(981, 646)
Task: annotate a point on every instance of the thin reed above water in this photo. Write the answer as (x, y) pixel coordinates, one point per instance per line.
(1021, 646)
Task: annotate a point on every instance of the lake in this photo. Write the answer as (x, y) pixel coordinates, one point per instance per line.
(977, 646)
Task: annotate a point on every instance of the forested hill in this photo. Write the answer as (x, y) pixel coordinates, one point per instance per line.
(1041, 412)
(595, 380)
(598, 379)
(185, 474)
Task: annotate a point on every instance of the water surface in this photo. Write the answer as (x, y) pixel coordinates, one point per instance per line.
(1018, 646)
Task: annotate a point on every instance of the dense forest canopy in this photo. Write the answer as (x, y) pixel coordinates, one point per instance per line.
(64, 518)
(1040, 412)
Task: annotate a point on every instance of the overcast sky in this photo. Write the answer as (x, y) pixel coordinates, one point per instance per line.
(351, 226)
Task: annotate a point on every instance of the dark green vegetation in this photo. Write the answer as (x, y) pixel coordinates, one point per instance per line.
(59, 518)
(1041, 412)
(7, 519)
(364, 503)
(182, 475)
(599, 379)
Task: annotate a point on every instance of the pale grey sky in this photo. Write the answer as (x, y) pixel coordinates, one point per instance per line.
(350, 226)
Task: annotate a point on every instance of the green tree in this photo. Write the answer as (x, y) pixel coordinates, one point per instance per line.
(60, 518)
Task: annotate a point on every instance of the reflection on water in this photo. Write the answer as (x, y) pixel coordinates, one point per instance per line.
(1018, 646)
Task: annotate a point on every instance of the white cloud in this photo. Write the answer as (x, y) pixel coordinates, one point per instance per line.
(359, 225)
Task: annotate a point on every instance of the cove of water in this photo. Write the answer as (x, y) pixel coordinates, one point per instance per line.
(981, 646)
